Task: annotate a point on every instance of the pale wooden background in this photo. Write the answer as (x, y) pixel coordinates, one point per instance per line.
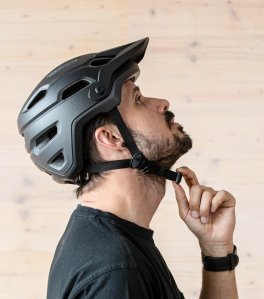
(206, 57)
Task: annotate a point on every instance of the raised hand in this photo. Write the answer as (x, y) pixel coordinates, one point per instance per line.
(209, 214)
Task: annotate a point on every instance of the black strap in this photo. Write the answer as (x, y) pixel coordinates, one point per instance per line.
(138, 161)
(129, 141)
(217, 264)
(104, 166)
(149, 168)
(168, 174)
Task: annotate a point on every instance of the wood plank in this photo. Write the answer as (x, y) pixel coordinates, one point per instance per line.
(205, 57)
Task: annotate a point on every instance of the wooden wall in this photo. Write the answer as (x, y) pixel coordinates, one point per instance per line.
(205, 57)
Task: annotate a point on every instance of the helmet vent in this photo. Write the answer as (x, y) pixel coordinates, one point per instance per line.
(100, 61)
(45, 138)
(74, 88)
(58, 161)
(39, 96)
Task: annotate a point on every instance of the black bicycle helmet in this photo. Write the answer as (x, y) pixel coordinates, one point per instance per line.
(55, 114)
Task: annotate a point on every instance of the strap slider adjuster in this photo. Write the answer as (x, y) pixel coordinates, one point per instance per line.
(138, 161)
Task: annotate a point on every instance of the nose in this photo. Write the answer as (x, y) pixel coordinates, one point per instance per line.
(159, 105)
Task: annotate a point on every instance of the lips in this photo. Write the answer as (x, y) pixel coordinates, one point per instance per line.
(178, 126)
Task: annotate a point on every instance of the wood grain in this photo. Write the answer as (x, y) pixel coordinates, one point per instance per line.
(205, 57)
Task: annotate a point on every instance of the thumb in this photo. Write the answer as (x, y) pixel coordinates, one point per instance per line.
(181, 199)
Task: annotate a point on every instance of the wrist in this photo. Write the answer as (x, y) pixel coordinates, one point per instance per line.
(216, 249)
(219, 264)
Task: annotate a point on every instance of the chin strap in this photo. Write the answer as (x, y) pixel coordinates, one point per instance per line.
(138, 160)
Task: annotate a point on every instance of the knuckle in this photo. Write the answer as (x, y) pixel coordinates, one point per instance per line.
(210, 189)
(223, 193)
(233, 198)
(217, 201)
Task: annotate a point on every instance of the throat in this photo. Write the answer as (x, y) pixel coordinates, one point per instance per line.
(135, 199)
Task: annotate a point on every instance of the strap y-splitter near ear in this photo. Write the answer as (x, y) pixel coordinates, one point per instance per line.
(138, 160)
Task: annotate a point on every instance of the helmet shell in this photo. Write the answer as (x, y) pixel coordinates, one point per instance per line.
(62, 104)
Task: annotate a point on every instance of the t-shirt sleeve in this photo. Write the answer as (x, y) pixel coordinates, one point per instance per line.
(120, 283)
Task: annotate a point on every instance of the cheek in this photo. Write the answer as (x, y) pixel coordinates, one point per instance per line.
(151, 125)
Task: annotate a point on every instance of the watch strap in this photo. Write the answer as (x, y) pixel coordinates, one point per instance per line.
(218, 264)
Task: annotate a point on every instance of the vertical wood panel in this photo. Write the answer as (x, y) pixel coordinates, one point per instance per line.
(205, 57)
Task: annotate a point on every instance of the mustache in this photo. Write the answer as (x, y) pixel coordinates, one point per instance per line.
(168, 116)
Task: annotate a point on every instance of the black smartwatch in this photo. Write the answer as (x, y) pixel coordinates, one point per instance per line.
(218, 264)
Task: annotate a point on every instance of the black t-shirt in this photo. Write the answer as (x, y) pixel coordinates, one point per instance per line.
(102, 256)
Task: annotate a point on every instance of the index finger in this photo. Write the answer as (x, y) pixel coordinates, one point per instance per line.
(189, 176)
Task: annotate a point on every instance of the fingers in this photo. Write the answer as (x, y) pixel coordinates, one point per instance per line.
(203, 200)
(200, 202)
(189, 176)
(195, 199)
(223, 199)
(205, 206)
(182, 200)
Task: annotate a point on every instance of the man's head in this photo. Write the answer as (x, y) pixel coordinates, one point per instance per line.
(96, 94)
(151, 125)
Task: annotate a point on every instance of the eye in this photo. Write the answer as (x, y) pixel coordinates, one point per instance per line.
(138, 99)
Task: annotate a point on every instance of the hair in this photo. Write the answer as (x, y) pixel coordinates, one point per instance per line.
(91, 154)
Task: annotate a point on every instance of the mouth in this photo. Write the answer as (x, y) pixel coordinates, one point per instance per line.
(169, 117)
(180, 128)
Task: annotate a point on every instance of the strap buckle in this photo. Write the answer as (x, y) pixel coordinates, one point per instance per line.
(139, 161)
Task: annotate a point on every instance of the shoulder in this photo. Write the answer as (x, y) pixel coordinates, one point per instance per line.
(98, 239)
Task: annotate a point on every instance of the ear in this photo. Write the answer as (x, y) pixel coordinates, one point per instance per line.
(108, 136)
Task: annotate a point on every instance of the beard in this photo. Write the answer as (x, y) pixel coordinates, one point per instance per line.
(164, 152)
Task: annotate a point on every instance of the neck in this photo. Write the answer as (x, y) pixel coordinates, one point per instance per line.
(128, 195)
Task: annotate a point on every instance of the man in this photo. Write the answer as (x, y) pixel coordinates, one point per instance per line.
(87, 123)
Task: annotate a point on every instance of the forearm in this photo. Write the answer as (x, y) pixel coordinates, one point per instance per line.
(219, 285)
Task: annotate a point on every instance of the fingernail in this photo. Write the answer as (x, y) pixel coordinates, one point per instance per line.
(195, 214)
(204, 219)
